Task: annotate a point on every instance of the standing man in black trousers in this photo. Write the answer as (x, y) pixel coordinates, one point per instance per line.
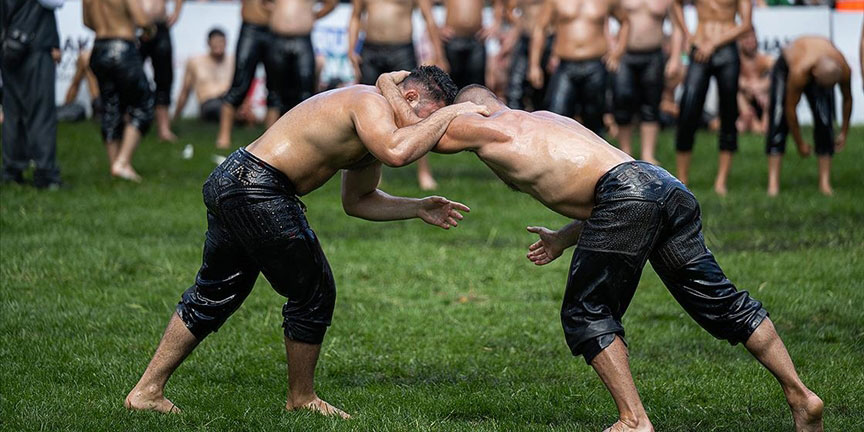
(465, 37)
(29, 51)
(159, 50)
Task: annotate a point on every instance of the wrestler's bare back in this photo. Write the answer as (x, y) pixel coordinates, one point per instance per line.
(114, 18)
(317, 138)
(550, 157)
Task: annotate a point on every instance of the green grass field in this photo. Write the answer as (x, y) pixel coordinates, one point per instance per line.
(433, 330)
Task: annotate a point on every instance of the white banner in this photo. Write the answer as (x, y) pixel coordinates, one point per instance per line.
(775, 27)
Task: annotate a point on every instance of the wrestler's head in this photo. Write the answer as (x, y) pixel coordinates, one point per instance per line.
(427, 89)
(827, 71)
(481, 96)
(749, 43)
(216, 43)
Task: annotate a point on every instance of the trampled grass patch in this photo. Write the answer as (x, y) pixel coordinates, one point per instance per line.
(433, 330)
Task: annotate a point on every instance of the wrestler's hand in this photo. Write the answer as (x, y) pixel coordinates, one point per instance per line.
(673, 69)
(840, 142)
(803, 149)
(56, 55)
(446, 34)
(612, 61)
(549, 247)
(487, 33)
(535, 76)
(441, 212)
(471, 108)
(704, 51)
(355, 60)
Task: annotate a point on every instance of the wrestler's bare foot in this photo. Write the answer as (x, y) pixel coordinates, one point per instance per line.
(125, 172)
(720, 189)
(826, 190)
(222, 143)
(631, 426)
(427, 182)
(807, 412)
(319, 406)
(167, 135)
(149, 400)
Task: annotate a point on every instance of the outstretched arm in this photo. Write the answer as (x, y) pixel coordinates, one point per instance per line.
(361, 198)
(553, 243)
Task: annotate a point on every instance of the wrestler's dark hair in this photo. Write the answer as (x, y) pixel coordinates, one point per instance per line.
(436, 83)
(216, 31)
(478, 94)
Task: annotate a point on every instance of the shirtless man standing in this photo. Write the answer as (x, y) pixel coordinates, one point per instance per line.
(465, 39)
(753, 86)
(579, 84)
(625, 212)
(253, 45)
(518, 84)
(638, 84)
(292, 58)
(209, 76)
(713, 53)
(256, 221)
(810, 65)
(388, 46)
(158, 48)
(124, 88)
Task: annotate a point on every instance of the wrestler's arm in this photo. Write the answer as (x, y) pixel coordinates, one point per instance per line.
(846, 91)
(361, 198)
(794, 87)
(463, 133)
(395, 146)
(188, 83)
(354, 24)
(326, 8)
(86, 7)
(553, 243)
(178, 5)
(138, 16)
(80, 71)
(623, 35)
(678, 22)
(538, 37)
(425, 7)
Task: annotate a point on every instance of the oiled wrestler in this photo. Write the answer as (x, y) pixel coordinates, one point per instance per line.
(256, 222)
(625, 212)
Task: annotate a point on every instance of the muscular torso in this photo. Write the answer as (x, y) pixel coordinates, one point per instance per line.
(529, 9)
(317, 138)
(552, 158)
(580, 28)
(802, 54)
(253, 12)
(715, 18)
(646, 23)
(293, 17)
(465, 17)
(110, 19)
(154, 9)
(389, 21)
(212, 78)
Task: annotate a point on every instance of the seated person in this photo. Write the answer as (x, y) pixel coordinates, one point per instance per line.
(753, 85)
(209, 75)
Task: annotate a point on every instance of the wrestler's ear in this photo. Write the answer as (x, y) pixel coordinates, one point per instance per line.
(412, 95)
